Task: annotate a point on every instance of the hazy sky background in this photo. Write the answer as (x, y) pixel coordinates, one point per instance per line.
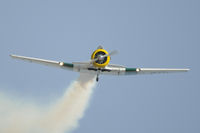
(147, 33)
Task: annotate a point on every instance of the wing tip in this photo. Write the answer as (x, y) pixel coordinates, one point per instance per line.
(184, 69)
(12, 55)
(187, 69)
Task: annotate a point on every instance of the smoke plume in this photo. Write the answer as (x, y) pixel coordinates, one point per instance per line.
(60, 117)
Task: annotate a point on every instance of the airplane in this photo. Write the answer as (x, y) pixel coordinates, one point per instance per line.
(99, 65)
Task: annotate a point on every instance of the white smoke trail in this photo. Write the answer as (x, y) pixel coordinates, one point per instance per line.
(63, 116)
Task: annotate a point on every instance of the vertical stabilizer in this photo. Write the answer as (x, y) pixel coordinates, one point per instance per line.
(99, 47)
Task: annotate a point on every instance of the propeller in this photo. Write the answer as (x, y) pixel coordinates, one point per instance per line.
(103, 56)
(114, 52)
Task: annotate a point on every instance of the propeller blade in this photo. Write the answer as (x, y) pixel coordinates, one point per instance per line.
(93, 60)
(113, 53)
(110, 54)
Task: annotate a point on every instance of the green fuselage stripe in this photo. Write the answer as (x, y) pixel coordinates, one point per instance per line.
(131, 69)
(68, 65)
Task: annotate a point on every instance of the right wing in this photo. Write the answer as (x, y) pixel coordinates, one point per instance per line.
(129, 71)
(121, 70)
(44, 62)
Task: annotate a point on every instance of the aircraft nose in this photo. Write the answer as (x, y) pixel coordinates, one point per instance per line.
(101, 57)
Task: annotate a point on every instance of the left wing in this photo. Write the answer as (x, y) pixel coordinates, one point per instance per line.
(45, 62)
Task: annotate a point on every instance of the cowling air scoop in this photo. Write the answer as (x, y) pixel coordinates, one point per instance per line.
(99, 64)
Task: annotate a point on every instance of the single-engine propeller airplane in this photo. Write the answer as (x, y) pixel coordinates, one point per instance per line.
(99, 64)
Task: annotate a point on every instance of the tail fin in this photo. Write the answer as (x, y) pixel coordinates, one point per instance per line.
(99, 47)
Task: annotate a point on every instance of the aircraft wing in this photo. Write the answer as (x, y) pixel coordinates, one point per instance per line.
(86, 67)
(121, 70)
(44, 62)
(129, 71)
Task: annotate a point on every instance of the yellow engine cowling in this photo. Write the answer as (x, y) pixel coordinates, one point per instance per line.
(103, 63)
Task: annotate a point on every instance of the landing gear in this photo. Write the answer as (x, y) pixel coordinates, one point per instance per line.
(97, 78)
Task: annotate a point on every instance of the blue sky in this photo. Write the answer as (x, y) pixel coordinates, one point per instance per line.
(147, 33)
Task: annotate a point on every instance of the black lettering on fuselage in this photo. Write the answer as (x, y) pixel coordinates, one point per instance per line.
(99, 69)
